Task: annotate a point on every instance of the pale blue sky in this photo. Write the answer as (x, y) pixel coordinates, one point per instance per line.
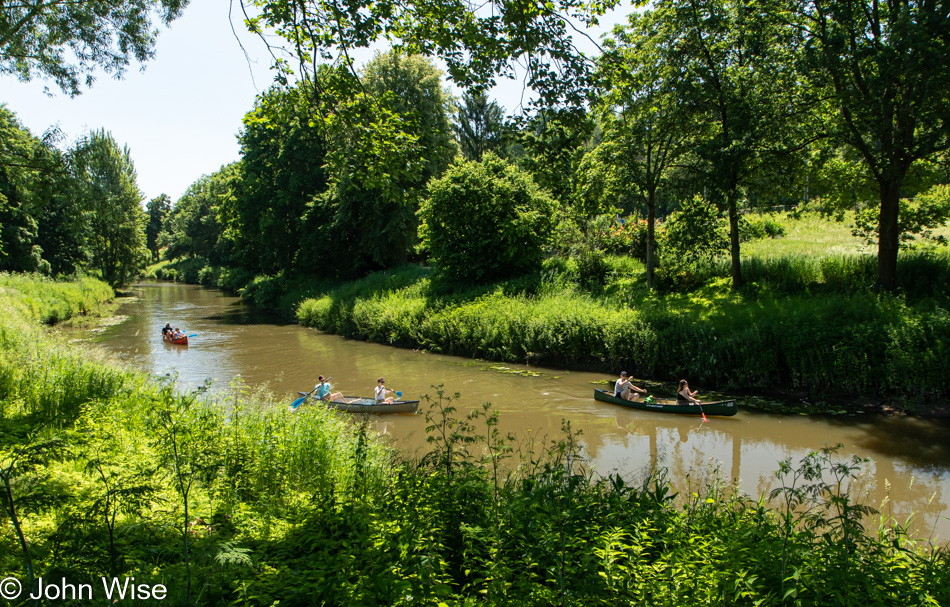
(181, 114)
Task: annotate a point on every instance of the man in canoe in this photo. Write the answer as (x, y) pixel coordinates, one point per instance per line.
(625, 389)
(684, 396)
(381, 391)
(323, 392)
(167, 329)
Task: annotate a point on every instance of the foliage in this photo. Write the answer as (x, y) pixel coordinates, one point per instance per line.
(107, 185)
(875, 62)
(753, 227)
(554, 145)
(693, 234)
(485, 221)
(916, 220)
(269, 213)
(35, 228)
(375, 191)
(158, 209)
(479, 126)
(68, 42)
(194, 227)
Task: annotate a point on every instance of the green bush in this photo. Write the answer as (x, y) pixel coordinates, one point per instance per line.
(694, 234)
(486, 221)
(755, 227)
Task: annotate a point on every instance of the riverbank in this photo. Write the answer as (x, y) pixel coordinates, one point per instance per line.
(812, 329)
(231, 499)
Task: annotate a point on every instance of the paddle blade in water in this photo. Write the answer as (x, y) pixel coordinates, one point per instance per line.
(398, 394)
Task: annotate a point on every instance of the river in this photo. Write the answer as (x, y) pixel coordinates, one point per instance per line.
(908, 472)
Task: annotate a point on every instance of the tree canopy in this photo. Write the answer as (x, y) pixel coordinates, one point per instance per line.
(69, 41)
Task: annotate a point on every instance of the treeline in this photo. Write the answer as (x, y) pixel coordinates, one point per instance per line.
(734, 106)
(230, 499)
(67, 212)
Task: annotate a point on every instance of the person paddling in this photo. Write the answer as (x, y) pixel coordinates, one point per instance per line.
(323, 392)
(624, 389)
(684, 396)
(167, 329)
(381, 391)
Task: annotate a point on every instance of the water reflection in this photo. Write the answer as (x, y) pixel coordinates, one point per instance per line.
(910, 458)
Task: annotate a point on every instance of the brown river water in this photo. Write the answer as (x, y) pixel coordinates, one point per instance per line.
(909, 471)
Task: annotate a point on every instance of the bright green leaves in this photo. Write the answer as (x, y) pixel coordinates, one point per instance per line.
(69, 41)
(486, 221)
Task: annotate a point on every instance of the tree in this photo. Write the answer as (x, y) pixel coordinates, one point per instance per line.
(643, 120)
(554, 144)
(881, 62)
(157, 209)
(374, 191)
(282, 172)
(486, 221)
(108, 190)
(740, 85)
(194, 225)
(42, 223)
(479, 126)
(66, 41)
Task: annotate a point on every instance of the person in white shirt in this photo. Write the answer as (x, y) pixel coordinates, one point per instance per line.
(381, 391)
(624, 389)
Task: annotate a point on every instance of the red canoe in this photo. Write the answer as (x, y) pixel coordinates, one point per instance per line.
(181, 341)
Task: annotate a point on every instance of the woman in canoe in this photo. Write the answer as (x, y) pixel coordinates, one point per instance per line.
(625, 389)
(381, 391)
(323, 392)
(684, 396)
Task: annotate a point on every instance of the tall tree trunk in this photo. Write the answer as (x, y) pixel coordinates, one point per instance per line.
(731, 197)
(888, 241)
(651, 235)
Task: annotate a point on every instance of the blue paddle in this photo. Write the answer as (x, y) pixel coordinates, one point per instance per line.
(297, 402)
(192, 335)
(398, 394)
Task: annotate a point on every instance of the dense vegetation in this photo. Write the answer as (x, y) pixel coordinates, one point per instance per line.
(232, 499)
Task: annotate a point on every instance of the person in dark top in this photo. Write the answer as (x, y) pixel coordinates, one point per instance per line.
(166, 329)
(684, 396)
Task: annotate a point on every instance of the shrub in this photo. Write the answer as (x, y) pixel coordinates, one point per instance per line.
(755, 227)
(693, 235)
(486, 221)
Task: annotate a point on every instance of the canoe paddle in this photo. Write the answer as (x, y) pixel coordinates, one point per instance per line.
(705, 421)
(296, 403)
(192, 335)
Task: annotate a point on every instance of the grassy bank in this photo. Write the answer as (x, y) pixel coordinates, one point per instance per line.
(230, 499)
(793, 327)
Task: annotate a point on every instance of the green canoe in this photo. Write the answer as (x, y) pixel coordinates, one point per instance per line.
(719, 407)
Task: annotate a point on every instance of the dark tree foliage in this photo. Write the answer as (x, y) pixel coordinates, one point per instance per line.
(375, 210)
(68, 41)
(553, 143)
(282, 171)
(157, 209)
(107, 189)
(479, 126)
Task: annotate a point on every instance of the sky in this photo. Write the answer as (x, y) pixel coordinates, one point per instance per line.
(180, 112)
